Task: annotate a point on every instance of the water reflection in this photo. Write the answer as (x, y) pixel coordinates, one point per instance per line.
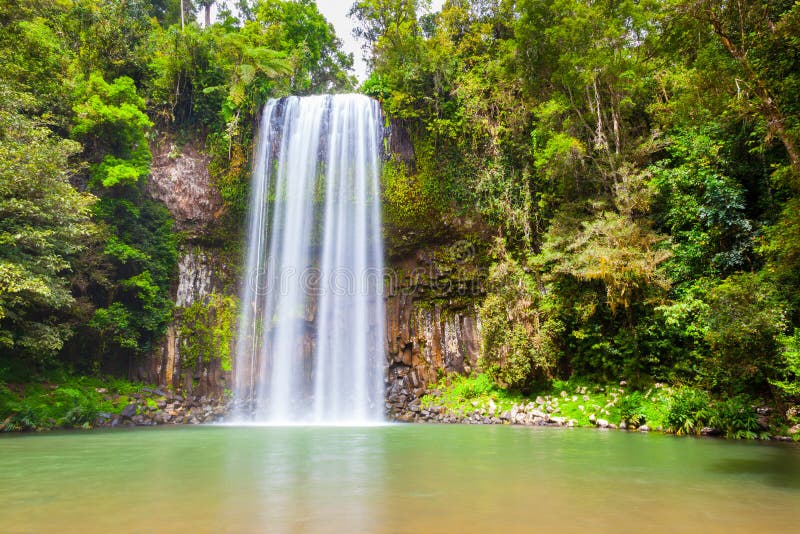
(777, 465)
(307, 478)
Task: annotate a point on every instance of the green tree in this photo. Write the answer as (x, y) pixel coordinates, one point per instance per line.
(300, 30)
(44, 225)
(745, 319)
(762, 37)
(139, 249)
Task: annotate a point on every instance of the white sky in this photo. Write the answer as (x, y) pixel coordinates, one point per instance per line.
(335, 11)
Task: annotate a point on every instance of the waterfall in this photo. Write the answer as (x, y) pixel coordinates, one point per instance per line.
(310, 346)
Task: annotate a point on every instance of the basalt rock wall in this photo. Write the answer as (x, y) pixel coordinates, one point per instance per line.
(432, 320)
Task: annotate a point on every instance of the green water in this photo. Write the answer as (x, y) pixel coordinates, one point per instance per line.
(402, 478)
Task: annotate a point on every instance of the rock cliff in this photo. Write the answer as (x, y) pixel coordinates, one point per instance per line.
(432, 295)
(180, 179)
(432, 320)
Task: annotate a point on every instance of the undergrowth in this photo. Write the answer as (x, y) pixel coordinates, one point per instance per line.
(62, 402)
(679, 410)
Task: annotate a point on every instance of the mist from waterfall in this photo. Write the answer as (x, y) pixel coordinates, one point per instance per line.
(310, 345)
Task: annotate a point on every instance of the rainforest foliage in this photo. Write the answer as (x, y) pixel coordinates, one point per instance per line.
(87, 259)
(634, 168)
(636, 163)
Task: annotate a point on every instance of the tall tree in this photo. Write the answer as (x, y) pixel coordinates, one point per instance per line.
(44, 224)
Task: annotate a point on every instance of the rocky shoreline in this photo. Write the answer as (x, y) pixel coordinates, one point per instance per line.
(525, 415)
(407, 407)
(150, 407)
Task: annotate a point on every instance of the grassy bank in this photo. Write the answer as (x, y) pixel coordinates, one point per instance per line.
(679, 410)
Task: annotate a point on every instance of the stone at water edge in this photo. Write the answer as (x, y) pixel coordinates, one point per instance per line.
(592, 418)
(644, 428)
(128, 411)
(602, 423)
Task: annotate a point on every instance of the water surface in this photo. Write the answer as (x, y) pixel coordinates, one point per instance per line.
(398, 478)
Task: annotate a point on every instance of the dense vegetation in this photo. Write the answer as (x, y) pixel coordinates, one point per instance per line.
(88, 260)
(635, 166)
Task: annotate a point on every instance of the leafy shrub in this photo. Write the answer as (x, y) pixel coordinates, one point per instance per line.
(459, 393)
(688, 411)
(631, 409)
(790, 353)
(736, 418)
(472, 387)
(71, 407)
(27, 415)
(7, 399)
(746, 316)
(518, 348)
(81, 415)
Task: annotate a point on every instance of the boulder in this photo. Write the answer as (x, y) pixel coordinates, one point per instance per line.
(159, 392)
(128, 411)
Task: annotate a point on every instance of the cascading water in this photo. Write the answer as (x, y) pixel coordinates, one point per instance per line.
(310, 346)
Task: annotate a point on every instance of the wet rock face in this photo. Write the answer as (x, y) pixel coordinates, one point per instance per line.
(202, 273)
(400, 145)
(432, 324)
(430, 340)
(197, 276)
(180, 179)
